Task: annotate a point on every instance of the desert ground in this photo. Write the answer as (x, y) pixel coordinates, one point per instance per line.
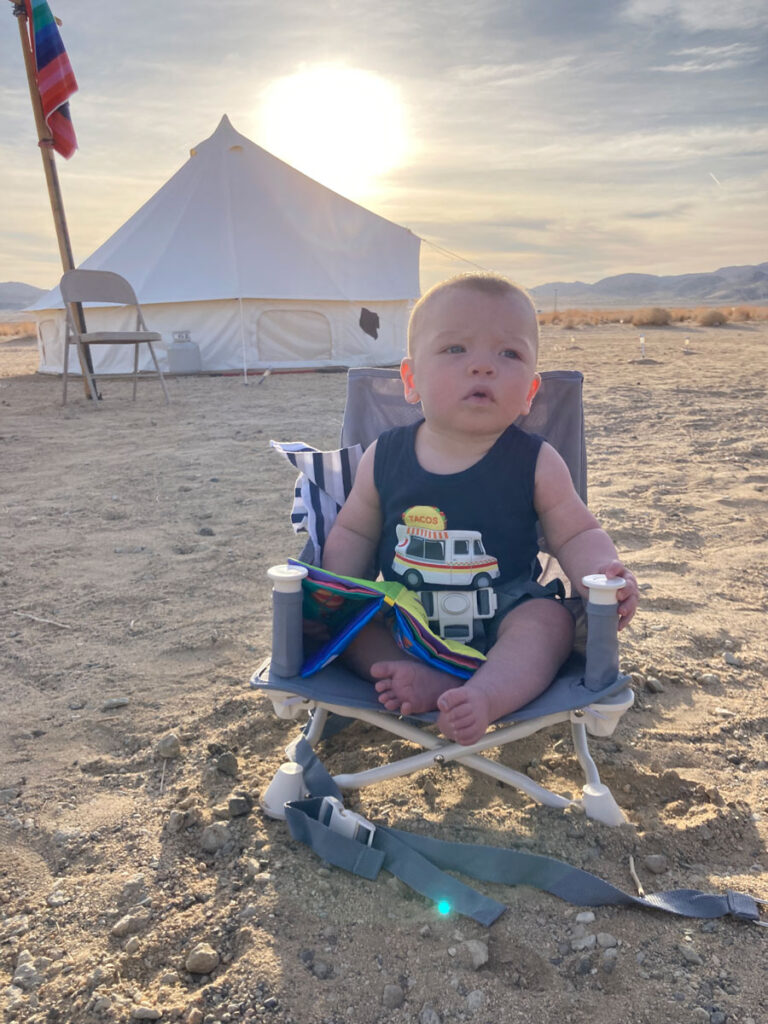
(135, 606)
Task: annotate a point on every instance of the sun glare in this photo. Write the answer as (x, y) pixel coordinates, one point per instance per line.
(345, 127)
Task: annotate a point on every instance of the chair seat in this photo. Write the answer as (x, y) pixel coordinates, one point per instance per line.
(119, 337)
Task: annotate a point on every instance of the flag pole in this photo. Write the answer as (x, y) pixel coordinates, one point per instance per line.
(45, 142)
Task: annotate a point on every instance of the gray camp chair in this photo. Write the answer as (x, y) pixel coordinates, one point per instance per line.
(589, 691)
(102, 286)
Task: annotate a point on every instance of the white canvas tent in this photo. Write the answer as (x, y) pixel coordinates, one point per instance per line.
(263, 266)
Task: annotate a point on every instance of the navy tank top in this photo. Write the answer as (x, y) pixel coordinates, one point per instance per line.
(473, 528)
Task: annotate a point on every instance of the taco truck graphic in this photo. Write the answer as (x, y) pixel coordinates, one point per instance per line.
(428, 553)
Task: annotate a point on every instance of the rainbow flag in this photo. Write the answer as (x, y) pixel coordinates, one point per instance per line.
(55, 78)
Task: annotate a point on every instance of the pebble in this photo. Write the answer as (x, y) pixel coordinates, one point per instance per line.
(393, 997)
(476, 953)
(114, 702)
(730, 659)
(130, 924)
(202, 959)
(585, 917)
(132, 945)
(134, 890)
(17, 925)
(176, 821)
(240, 804)
(145, 1013)
(26, 977)
(654, 685)
(227, 763)
(709, 679)
(195, 1016)
(57, 899)
(7, 795)
(690, 955)
(169, 746)
(214, 837)
(578, 945)
(429, 1015)
(321, 969)
(475, 1000)
(656, 863)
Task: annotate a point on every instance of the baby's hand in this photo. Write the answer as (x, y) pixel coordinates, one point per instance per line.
(628, 595)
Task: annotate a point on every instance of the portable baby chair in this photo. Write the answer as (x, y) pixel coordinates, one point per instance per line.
(589, 691)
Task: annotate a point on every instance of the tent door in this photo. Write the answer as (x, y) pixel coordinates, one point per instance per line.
(293, 336)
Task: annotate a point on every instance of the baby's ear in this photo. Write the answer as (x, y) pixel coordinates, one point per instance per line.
(406, 375)
(535, 385)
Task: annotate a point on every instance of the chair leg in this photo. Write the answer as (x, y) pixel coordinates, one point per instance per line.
(135, 368)
(159, 373)
(66, 370)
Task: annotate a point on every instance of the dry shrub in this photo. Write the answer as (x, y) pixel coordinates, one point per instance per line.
(655, 317)
(711, 317)
(569, 318)
(18, 330)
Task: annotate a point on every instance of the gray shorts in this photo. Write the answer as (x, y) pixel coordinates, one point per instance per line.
(510, 595)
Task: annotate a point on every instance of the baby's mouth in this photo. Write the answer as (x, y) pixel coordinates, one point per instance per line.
(479, 395)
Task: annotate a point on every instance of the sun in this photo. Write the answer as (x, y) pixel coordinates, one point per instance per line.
(343, 126)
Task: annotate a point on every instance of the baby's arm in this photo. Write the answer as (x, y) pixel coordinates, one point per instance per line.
(351, 544)
(573, 534)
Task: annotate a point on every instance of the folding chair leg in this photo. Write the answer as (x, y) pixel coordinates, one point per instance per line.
(159, 372)
(439, 751)
(597, 800)
(135, 369)
(88, 374)
(66, 370)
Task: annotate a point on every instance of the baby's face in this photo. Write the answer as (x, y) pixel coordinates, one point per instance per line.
(473, 361)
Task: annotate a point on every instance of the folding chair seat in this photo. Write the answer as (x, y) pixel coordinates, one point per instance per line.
(102, 286)
(589, 691)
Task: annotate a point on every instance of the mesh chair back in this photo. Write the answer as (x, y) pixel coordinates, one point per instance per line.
(375, 402)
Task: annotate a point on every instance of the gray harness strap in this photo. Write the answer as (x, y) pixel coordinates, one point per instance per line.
(422, 862)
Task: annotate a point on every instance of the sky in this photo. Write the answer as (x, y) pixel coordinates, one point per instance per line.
(549, 140)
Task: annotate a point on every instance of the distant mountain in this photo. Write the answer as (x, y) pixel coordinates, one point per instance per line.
(727, 286)
(15, 295)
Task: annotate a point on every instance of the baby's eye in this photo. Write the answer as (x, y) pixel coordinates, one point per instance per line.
(509, 353)
(454, 349)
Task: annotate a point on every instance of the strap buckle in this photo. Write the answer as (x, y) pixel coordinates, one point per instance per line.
(337, 818)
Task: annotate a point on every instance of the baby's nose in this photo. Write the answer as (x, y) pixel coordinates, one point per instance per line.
(482, 367)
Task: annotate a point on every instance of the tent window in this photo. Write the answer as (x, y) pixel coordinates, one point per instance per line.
(293, 336)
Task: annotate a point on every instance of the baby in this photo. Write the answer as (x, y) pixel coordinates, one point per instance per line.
(471, 363)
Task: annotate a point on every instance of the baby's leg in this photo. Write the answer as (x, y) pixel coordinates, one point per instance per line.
(403, 683)
(533, 641)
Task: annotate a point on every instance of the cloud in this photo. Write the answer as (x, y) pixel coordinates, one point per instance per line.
(711, 58)
(700, 15)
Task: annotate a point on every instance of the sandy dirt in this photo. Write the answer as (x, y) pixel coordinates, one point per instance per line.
(134, 604)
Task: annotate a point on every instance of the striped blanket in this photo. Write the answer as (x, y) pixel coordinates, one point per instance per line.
(324, 481)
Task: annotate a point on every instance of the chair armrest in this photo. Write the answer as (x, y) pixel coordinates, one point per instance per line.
(287, 637)
(602, 653)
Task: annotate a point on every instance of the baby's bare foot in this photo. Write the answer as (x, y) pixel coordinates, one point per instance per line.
(464, 714)
(408, 686)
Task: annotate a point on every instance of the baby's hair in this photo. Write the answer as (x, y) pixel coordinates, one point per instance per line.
(487, 283)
